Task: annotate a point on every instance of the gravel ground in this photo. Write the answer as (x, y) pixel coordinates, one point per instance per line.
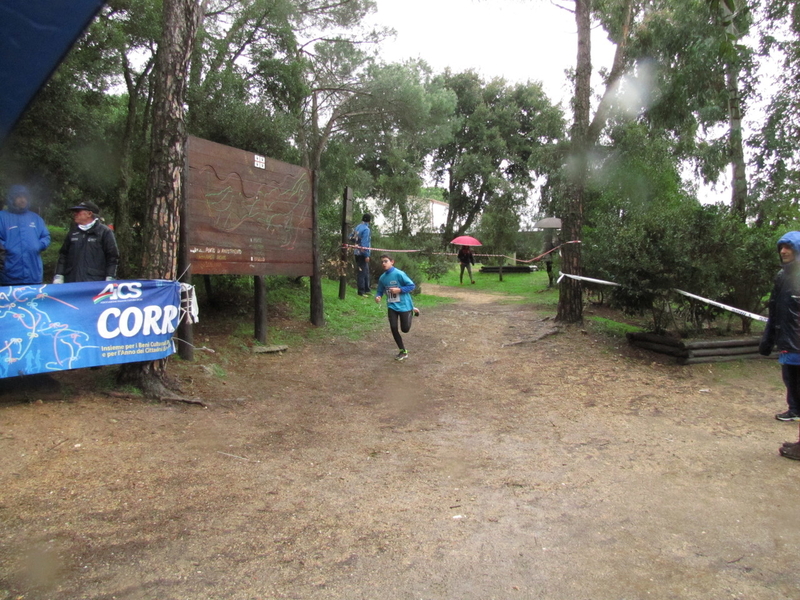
(501, 460)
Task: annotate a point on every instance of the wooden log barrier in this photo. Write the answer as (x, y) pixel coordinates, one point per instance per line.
(660, 348)
(698, 351)
(709, 359)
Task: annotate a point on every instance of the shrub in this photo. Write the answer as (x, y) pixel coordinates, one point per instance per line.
(703, 250)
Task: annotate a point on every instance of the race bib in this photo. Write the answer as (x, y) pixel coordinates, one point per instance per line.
(392, 296)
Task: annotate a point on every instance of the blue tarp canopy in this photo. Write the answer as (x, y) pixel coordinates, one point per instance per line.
(35, 35)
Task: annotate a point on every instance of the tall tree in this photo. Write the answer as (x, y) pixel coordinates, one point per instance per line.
(246, 79)
(501, 138)
(687, 73)
(777, 159)
(333, 68)
(702, 80)
(403, 118)
(181, 19)
(732, 54)
(132, 28)
(570, 299)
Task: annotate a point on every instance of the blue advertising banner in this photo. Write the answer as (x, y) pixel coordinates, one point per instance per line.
(47, 327)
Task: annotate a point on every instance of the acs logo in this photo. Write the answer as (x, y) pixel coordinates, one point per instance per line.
(120, 291)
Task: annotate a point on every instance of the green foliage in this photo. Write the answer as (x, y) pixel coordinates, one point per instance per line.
(60, 147)
(254, 104)
(614, 328)
(681, 56)
(398, 119)
(776, 172)
(432, 193)
(645, 232)
(505, 135)
(706, 251)
(50, 256)
(288, 303)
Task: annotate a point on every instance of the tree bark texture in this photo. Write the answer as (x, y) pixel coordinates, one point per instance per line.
(182, 19)
(739, 183)
(317, 304)
(570, 300)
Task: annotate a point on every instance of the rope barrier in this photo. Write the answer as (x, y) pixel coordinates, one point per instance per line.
(732, 309)
(370, 248)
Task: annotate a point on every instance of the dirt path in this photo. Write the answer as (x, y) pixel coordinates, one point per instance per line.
(566, 468)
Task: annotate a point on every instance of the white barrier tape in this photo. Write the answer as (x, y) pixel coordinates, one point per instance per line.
(578, 277)
(733, 309)
(519, 260)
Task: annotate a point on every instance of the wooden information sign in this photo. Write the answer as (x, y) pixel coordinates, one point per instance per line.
(247, 214)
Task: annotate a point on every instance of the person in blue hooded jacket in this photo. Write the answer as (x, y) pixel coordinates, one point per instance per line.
(23, 236)
(783, 324)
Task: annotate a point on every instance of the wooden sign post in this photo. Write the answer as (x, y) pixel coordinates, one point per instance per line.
(347, 219)
(246, 214)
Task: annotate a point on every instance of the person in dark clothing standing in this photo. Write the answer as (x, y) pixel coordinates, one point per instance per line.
(548, 251)
(466, 258)
(783, 330)
(89, 252)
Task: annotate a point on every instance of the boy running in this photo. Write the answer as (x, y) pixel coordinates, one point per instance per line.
(397, 286)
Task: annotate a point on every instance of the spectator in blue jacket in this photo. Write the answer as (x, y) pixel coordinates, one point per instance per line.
(23, 236)
(362, 237)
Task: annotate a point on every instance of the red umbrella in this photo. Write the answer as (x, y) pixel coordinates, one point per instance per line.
(465, 240)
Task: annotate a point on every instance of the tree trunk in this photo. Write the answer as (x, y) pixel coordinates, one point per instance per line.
(739, 183)
(570, 299)
(122, 210)
(181, 20)
(312, 159)
(168, 140)
(317, 303)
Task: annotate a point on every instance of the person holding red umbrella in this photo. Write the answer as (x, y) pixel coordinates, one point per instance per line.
(466, 259)
(465, 256)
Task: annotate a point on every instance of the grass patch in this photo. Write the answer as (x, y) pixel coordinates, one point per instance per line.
(612, 327)
(530, 286)
(350, 318)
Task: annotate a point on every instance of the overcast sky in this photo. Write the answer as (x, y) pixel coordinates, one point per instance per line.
(518, 40)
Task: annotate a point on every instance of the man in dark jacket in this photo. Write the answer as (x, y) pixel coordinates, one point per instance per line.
(782, 330)
(89, 252)
(23, 236)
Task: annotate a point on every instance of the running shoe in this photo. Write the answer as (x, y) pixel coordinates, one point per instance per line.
(789, 415)
(402, 355)
(792, 452)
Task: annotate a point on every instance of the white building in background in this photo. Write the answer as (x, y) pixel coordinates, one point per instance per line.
(427, 216)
